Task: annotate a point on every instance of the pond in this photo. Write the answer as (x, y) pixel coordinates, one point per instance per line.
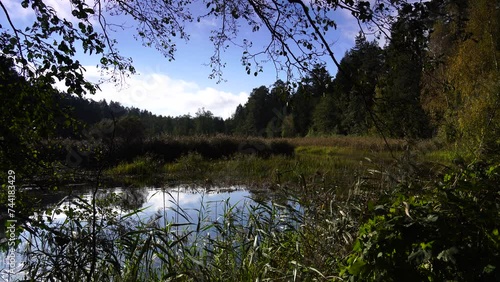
(193, 214)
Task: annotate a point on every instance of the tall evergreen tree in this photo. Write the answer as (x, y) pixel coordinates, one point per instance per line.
(364, 64)
(344, 107)
(258, 112)
(308, 94)
(398, 92)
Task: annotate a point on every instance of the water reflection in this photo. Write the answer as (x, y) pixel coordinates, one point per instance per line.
(172, 204)
(181, 216)
(181, 204)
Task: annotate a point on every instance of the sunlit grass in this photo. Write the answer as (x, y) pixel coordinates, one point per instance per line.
(370, 143)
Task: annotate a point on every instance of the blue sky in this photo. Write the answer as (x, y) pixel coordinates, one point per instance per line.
(182, 86)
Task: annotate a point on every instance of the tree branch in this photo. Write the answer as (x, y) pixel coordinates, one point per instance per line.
(16, 34)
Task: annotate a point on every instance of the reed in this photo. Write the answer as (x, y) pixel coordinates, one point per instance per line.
(288, 239)
(314, 230)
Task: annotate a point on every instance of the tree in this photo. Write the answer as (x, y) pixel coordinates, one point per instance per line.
(326, 116)
(236, 123)
(204, 122)
(287, 128)
(354, 87)
(129, 129)
(278, 104)
(473, 73)
(45, 50)
(304, 101)
(258, 112)
(29, 113)
(299, 33)
(183, 125)
(398, 92)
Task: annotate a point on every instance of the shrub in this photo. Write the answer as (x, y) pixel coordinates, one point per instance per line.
(448, 233)
(282, 148)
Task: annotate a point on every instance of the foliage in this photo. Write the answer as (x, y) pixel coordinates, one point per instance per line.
(354, 86)
(31, 112)
(446, 232)
(398, 92)
(45, 50)
(298, 37)
(263, 113)
(314, 86)
(332, 223)
(461, 89)
(474, 75)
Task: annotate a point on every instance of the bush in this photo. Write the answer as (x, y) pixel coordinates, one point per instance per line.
(448, 233)
(282, 148)
(216, 147)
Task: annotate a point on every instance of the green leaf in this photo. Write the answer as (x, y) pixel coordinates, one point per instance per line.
(447, 255)
(357, 246)
(489, 268)
(357, 267)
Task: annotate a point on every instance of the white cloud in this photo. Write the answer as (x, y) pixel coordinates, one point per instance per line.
(62, 8)
(163, 95)
(207, 22)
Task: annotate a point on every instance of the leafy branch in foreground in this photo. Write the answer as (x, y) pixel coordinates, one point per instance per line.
(45, 50)
(299, 33)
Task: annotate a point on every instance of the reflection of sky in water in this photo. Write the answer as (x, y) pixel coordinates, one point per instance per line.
(168, 203)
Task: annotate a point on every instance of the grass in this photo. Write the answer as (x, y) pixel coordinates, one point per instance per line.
(247, 242)
(252, 170)
(356, 142)
(331, 162)
(332, 205)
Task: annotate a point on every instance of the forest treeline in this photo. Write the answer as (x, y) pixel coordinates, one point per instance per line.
(438, 76)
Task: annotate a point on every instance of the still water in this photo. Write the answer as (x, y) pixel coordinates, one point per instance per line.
(167, 202)
(180, 204)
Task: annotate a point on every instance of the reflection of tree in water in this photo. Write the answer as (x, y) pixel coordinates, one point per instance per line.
(277, 196)
(127, 198)
(259, 196)
(133, 197)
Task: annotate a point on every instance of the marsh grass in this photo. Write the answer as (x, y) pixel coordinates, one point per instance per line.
(299, 237)
(302, 230)
(366, 143)
(321, 161)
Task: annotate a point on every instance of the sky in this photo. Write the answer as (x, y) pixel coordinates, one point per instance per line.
(182, 86)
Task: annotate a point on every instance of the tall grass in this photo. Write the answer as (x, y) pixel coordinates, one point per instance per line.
(290, 239)
(306, 229)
